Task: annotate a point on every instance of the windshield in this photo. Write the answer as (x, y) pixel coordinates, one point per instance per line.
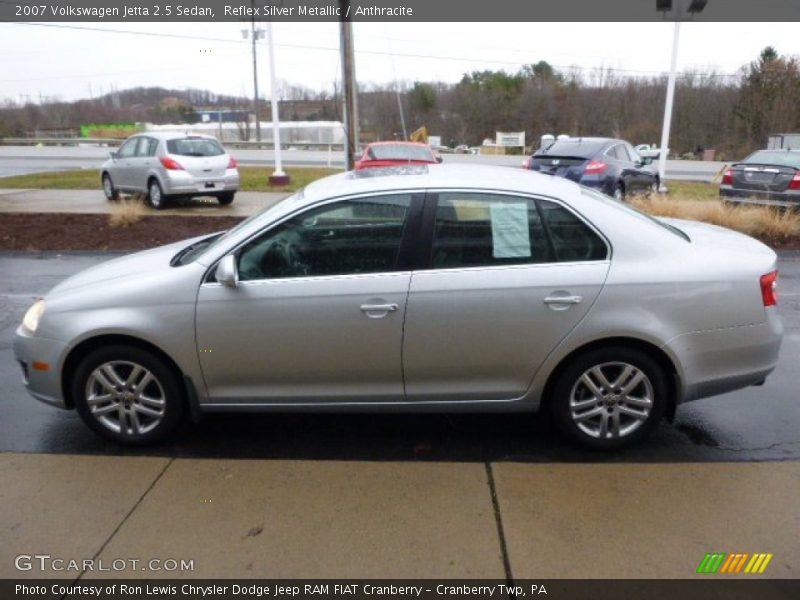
(399, 152)
(772, 157)
(608, 200)
(194, 147)
(234, 230)
(578, 148)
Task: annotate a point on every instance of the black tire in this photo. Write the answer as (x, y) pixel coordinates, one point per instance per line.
(569, 387)
(164, 385)
(155, 195)
(226, 198)
(111, 193)
(619, 192)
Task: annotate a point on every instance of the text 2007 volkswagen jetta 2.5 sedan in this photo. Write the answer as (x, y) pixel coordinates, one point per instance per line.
(435, 288)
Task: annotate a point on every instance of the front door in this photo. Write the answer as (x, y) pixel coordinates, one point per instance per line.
(509, 277)
(317, 314)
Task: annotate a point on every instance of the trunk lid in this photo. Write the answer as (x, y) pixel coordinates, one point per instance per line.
(570, 167)
(762, 178)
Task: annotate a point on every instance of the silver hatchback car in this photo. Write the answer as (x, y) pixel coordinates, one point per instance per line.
(170, 165)
(438, 288)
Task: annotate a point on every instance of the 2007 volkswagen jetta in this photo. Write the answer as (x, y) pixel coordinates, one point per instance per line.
(437, 288)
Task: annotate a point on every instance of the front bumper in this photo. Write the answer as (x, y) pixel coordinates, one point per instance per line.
(44, 385)
(718, 361)
(178, 183)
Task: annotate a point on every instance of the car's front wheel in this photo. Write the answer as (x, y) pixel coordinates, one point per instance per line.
(609, 397)
(109, 190)
(128, 395)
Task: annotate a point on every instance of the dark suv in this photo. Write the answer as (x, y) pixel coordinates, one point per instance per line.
(610, 165)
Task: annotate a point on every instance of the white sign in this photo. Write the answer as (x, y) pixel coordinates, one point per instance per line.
(434, 140)
(510, 138)
(510, 235)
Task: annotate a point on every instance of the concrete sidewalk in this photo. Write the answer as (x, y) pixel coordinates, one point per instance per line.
(287, 519)
(94, 202)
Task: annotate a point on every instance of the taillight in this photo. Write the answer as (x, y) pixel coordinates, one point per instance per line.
(794, 184)
(232, 164)
(526, 164)
(727, 178)
(595, 166)
(171, 164)
(769, 292)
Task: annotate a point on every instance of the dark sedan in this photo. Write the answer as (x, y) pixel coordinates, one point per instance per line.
(609, 165)
(765, 177)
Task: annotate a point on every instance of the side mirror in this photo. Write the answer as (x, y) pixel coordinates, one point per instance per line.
(439, 159)
(226, 271)
(113, 155)
(647, 161)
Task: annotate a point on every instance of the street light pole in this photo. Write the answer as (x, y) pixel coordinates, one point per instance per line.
(254, 37)
(278, 177)
(662, 155)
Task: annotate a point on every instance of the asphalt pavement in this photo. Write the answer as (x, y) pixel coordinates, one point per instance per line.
(19, 160)
(754, 424)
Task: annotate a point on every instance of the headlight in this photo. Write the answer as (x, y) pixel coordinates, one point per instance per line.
(31, 320)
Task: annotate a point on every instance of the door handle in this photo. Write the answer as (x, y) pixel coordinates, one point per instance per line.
(379, 307)
(563, 300)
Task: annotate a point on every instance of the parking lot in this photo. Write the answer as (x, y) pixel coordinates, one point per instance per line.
(401, 495)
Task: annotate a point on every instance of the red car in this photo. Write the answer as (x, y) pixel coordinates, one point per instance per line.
(390, 154)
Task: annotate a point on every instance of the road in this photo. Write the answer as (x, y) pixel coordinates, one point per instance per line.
(19, 160)
(754, 424)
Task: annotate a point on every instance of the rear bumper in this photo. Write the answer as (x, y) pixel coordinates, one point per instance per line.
(787, 199)
(722, 360)
(176, 183)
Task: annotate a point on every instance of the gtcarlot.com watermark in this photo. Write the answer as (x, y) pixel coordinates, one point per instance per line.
(48, 563)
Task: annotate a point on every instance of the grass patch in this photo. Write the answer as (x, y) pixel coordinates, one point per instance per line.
(693, 190)
(770, 225)
(253, 179)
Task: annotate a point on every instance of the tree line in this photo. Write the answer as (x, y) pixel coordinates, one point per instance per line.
(733, 115)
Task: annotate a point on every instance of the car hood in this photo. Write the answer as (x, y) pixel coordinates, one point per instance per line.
(118, 270)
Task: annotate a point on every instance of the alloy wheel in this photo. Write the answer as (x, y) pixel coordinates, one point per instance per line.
(155, 195)
(125, 397)
(611, 400)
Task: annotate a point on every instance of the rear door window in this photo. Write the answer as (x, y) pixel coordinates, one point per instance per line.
(147, 147)
(482, 230)
(573, 240)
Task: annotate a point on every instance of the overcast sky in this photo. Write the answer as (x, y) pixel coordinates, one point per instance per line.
(69, 63)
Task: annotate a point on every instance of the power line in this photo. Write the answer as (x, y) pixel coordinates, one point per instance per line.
(473, 60)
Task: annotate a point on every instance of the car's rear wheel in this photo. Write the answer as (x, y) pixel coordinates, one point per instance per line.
(155, 195)
(109, 190)
(128, 395)
(609, 397)
(226, 198)
(619, 192)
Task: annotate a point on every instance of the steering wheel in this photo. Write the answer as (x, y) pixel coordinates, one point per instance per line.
(282, 260)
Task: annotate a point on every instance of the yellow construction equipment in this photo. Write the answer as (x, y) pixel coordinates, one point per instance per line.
(419, 135)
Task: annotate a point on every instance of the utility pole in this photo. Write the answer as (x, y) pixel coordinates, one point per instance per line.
(349, 89)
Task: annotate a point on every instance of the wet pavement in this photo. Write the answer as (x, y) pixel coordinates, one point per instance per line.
(754, 424)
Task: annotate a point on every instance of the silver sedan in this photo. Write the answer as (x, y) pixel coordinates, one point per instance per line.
(438, 288)
(169, 165)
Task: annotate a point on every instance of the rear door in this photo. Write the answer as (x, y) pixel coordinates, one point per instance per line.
(505, 280)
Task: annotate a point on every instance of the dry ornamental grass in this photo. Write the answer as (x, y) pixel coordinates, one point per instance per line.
(765, 223)
(125, 213)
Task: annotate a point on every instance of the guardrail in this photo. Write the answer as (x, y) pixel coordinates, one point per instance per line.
(113, 143)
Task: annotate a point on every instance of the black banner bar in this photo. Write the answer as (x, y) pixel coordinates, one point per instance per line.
(713, 588)
(399, 11)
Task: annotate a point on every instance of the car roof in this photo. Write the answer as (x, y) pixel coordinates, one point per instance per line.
(397, 143)
(173, 135)
(436, 176)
